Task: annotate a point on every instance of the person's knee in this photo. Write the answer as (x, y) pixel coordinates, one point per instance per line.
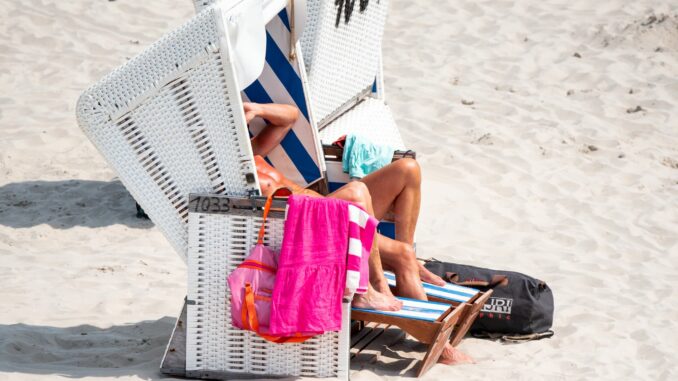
(406, 260)
(358, 193)
(410, 168)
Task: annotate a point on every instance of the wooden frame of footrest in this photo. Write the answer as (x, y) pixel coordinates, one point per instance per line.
(471, 310)
(434, 333)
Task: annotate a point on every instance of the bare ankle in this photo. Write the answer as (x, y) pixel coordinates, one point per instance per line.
(381, 286)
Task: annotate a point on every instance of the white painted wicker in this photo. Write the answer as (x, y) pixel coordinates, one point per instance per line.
(341, 52)
(218, 242)
(371, 118)
(202, 4)
(170, 122)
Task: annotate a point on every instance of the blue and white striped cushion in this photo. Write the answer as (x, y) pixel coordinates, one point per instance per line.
(450, 292)
(297, 157)
(414, 309)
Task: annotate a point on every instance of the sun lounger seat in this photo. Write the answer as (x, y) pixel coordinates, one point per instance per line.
(470, 299)
(430, 323)
(450, 292)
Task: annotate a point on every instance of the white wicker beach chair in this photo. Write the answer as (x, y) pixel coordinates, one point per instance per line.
(170, 122)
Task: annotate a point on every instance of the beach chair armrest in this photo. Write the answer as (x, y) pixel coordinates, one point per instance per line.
(334, 153)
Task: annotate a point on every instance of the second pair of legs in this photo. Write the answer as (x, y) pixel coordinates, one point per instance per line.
(396, 188)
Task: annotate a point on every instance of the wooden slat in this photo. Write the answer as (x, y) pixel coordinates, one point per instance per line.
(334, 153)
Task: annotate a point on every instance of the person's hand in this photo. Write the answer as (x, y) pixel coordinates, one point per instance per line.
(252, 110)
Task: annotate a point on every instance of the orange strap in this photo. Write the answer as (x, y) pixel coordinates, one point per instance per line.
(251, 323)
(267, 207)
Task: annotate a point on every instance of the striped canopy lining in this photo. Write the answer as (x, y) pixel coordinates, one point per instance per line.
(297, 156)
(449, 292)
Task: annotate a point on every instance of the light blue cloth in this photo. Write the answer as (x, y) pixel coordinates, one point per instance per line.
(362, 156)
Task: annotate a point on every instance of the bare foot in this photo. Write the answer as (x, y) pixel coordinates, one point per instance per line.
(377, 301)
(430, 277)
(453, 356)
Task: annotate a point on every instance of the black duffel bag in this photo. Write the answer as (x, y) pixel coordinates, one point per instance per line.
(521, 307)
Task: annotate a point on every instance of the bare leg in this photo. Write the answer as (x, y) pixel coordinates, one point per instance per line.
(379, 296)
(397, 187)
(453, 356)
(400, 257)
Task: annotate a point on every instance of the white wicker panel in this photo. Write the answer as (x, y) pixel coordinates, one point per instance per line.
(170, 123)
(336, 174)
(202, 4)
(371, 118)
(341, 58)
(217, 244)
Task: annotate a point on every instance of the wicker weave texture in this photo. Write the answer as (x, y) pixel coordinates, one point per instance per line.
(372, 119)
(341, 51)
(217, 244)
(199, 5)
(170, 122)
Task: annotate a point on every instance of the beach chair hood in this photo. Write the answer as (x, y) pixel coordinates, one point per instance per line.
(170, 122)
(247, 35)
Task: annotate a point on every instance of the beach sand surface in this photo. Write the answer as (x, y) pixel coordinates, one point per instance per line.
(547, 132)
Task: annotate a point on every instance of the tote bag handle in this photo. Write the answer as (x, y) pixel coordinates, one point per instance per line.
(262, 230)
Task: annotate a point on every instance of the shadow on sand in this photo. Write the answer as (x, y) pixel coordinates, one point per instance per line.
(136, 350)
(86, 351)
(69, 203)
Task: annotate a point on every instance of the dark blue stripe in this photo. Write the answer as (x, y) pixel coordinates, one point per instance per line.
(374, 86)
(291, 143)
(256, 93)
(334, 186)
(285, 20)
(286, 74)
(303, 161)
(392, 314)
(386, 229)
(471, 291)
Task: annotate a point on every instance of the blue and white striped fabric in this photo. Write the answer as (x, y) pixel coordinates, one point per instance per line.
(414, 309)
(297, 157)
(450, 292)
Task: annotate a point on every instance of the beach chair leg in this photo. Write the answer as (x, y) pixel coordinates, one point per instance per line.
(344, 360)
(174, 360)
(469, 316)
(436, 347)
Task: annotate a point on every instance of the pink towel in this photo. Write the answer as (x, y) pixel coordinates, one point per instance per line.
(361, 230)
(325, 249)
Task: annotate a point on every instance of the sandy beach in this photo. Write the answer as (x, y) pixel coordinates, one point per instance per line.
(548, 136)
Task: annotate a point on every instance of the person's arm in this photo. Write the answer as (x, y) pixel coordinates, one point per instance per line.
(280, 120)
